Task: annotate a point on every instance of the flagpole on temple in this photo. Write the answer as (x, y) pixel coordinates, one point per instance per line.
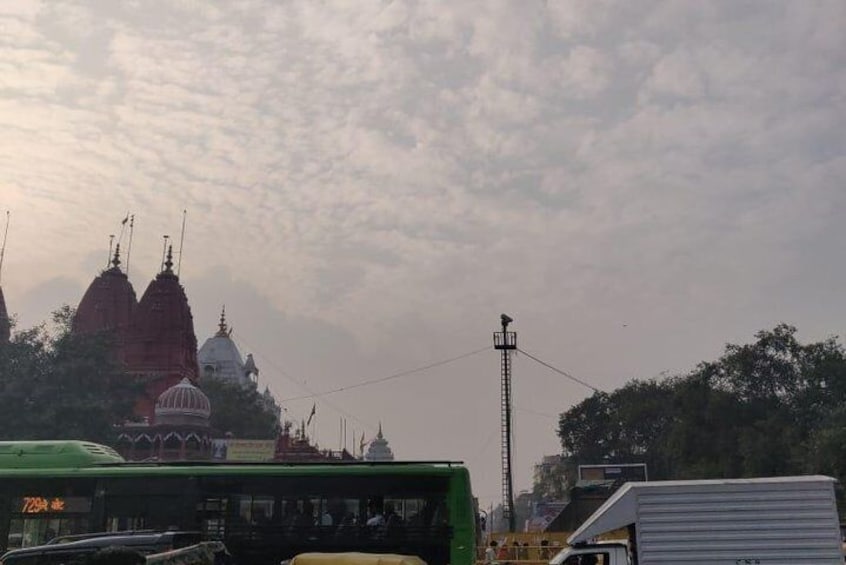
(181, 241)
(3, 248)
(129, 250)
(123, 228)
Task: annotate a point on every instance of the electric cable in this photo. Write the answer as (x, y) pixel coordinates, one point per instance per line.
(559, 371)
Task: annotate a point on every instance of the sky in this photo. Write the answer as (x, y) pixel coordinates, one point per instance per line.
(368, 185)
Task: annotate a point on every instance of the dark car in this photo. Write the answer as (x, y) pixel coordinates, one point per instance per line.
(75, 549)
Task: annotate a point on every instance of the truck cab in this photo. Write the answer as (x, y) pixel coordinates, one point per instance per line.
(602, 553)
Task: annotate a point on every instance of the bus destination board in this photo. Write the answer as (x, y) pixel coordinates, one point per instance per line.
(51, 504)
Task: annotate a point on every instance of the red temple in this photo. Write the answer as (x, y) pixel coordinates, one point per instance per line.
(155, 337)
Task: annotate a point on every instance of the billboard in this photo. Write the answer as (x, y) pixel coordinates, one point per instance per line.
(623, 472)
(243, 449)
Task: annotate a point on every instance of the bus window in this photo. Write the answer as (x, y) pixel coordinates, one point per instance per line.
(211, 515)
(262, 510)
(29, 531)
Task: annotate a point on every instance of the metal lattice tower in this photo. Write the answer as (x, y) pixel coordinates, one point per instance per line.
(506, 342)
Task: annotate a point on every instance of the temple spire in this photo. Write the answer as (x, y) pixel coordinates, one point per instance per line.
(221, 332)
(164, 251)
(169, 260)
(116, 258)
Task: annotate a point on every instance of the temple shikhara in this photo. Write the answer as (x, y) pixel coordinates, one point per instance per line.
(155, 342)
(155, 336)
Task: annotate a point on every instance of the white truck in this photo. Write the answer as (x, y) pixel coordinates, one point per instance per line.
(767, 521)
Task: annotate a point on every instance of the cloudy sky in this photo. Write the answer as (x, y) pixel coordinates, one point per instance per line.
(368, 185)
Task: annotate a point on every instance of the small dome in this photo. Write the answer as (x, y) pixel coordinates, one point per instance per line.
(379, 450)
(183, 399)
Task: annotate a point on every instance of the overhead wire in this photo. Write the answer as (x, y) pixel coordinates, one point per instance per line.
(559, 371)
(392, 376)
(322, 395)
(303, 385)
(536, 413)
(238, 338)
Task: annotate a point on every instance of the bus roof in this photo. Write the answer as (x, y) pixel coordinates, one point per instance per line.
(240, 470)
(80, 458)
(55, 454)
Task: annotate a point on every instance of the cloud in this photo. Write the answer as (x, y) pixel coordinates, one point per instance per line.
(375, 182)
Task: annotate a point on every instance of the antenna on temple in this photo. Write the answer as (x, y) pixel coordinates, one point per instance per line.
(181, 241)
(129, 249)
(111, 246)
(3, 248)
(164, 250)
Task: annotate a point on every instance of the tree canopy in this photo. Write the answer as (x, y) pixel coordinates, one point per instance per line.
(56, 384)
(240, 410)
(59, 385)
(771, 407)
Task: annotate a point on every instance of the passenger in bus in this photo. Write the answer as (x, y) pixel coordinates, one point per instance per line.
(326, 519)
(303, 520)
(306, 515)
(392, 526)
(375, 515)
(289, 512)
(422, 518)
(347, 528)
(334, 514)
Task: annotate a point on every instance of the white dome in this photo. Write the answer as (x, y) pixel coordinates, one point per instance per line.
(183, 399)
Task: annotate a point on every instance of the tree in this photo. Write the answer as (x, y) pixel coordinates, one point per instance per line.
(61, 385)
(770, 407)
(625, 426)
(239, 409)
(552, 479)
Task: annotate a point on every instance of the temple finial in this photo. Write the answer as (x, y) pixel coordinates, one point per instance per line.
(164, 251)
(116, 258)
(222, 325)
(169, 261)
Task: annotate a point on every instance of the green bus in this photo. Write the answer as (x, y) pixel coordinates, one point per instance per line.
(263, 512)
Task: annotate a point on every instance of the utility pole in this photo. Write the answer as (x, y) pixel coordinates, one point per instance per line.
(506, 342)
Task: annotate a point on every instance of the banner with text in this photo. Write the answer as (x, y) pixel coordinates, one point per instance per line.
(243, 449)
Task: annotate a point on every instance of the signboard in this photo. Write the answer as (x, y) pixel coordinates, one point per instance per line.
(244, 449)
(624, 472)
(51, 504)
